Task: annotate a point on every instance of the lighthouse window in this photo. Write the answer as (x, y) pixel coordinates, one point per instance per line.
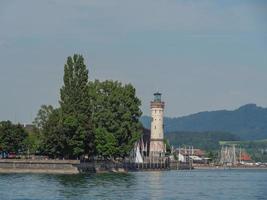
(155, 127)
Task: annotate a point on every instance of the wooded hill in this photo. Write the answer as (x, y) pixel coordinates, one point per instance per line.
(203, 140)
(248, 122)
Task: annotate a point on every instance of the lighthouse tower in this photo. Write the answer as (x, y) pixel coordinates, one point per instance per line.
(157, 147)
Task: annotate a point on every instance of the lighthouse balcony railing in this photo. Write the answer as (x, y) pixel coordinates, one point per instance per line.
(154, 104)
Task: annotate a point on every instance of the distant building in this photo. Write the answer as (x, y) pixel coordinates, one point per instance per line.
(29, 127)
(190, 151)
(191, 154)
(245, 157)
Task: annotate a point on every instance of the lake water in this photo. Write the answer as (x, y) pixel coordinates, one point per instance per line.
(195, 184)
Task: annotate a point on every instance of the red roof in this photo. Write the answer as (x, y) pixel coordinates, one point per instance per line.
(245, 157)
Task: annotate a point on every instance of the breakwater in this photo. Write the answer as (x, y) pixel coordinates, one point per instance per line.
(77, 166)
(126, 166)
(39, 166)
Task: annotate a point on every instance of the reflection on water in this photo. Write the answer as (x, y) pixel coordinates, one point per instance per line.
(154, 184)
(101, 185)
(71, 181)
(214, 184)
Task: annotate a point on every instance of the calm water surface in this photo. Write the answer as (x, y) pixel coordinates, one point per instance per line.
(196, 184)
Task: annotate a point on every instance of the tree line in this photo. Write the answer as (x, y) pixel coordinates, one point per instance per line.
(208, 141)
(94, 118)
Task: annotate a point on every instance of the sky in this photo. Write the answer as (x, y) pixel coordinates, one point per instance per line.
(202, 55)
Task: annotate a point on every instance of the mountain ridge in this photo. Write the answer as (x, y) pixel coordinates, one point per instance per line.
(249, 122)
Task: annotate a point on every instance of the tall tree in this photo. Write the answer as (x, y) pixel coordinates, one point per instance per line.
(116, 112)
(75, 107)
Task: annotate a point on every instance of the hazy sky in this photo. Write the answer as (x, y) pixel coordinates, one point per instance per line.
(201, 54)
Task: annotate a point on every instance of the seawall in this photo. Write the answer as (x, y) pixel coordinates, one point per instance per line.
(59, 166)
(39, 166)
(77, 166)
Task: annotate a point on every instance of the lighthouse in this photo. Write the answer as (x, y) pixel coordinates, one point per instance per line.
(157, 147)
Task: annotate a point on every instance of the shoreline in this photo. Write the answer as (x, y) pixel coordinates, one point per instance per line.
(11, 166)
(229, 168)
(37, 171)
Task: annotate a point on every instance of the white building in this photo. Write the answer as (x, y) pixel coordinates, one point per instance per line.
(157, 147)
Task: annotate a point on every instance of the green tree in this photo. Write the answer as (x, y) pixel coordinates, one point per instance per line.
(105, 143)
(33, 142)
(212, 155)
(167, 145)
(55, 139)
(12, 137)
(115, 117)
(75, 108)
(42, 116)
(93, 118)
